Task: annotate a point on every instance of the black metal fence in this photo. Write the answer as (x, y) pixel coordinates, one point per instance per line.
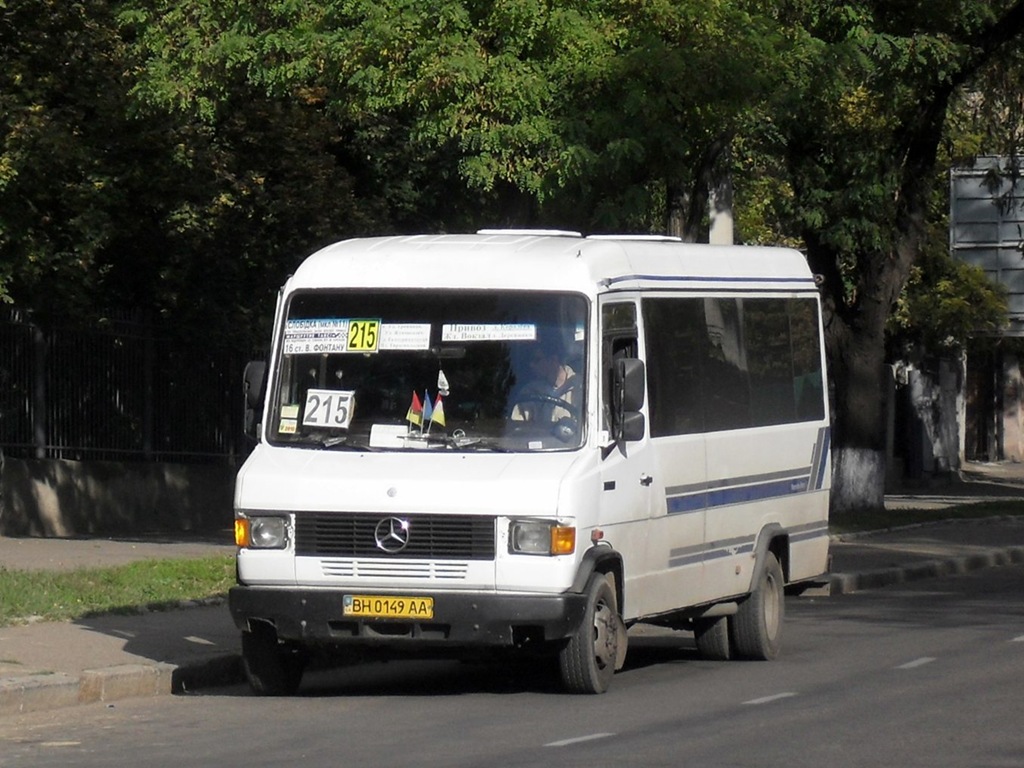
(117, 392)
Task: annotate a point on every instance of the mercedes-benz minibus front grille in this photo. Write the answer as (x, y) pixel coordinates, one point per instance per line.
(347, 534)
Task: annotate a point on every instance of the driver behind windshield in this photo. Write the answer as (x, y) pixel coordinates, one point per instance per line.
(551, 383)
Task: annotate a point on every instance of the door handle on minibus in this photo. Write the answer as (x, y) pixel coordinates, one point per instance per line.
(646, 479)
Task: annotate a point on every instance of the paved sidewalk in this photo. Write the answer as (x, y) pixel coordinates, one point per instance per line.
(44, 665)
(55, 664)
(873, 560)
(28, 554)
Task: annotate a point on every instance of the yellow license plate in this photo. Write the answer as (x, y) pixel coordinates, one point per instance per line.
(388, 607)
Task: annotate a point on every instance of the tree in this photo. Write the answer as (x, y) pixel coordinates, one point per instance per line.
(100, 205)
(609, 115)
(107, 208)
(603, 114)
(861, 131)
(645, 126)
(944, 303)
(60, 94)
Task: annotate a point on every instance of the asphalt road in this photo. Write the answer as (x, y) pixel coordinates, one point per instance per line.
(929, 674)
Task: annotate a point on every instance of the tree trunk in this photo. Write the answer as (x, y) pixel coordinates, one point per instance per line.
(863, 282)
(858, 378)
(676, 206)
(686, 203)
(858, 480)
(721, 213)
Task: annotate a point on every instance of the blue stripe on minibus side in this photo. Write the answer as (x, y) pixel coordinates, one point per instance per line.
(825, 437)
(685, 499)
(700, 553)
(739, 491)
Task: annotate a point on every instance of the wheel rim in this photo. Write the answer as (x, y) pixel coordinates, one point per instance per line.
(772, 609)
(606, 640)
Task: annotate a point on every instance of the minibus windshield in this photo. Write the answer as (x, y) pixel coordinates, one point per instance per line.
(431, 370)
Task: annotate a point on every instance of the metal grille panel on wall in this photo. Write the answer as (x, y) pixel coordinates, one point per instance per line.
(987, 227)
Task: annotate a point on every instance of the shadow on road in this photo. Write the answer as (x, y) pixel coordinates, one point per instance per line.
(500, 675)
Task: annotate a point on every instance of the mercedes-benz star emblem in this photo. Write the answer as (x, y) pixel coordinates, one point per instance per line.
(391, 535)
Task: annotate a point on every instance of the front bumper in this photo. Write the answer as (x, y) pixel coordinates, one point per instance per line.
(314, 616)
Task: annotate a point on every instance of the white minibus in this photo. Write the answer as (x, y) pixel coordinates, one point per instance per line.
(531, 441)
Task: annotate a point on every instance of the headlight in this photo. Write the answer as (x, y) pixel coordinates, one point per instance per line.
(528, 537)
(261, 532)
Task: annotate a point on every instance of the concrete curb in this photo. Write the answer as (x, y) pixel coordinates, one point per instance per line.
(35, 693)
(846, 583)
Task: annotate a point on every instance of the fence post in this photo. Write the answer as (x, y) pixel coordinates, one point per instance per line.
(39, 421)
(149, 355)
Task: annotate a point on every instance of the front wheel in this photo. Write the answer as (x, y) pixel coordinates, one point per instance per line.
(271, 668)
(589, 659)
(757, 626)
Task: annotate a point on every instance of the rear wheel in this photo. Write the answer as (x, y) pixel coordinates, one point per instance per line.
(589, 659)
(271, 668)
(712, 636)
(757, 625)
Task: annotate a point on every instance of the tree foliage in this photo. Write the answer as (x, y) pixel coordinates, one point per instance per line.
(63, 153)
(861, 130)
(112, 200)
(592, 109)
(184, 154)
(945, 303)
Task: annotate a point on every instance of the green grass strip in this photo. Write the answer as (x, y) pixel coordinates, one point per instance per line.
(151, 584)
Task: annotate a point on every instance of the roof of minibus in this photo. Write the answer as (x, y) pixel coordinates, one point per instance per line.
(528, 260)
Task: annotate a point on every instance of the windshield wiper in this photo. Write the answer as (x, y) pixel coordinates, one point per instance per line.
(458, 441)
(342, 444)
(462, 441)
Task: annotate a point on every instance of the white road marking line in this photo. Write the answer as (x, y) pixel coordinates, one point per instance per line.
(199, 640)
(578, 739)
(1019, 639)
(917, 663)
(769, 699)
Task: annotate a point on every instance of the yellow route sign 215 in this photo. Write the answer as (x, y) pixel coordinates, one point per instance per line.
(363, 335)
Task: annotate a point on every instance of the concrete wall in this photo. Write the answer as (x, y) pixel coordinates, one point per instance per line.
(71, 498)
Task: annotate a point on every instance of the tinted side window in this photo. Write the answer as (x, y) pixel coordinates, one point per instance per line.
(808, 382)
(715, 364)
(725, 368)
(785, 360)
(676, 338)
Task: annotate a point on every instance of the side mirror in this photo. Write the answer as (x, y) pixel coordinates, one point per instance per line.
(632, 426)
(254, 383)
(628, 398)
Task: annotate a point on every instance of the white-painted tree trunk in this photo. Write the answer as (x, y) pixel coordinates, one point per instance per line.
(858, 479)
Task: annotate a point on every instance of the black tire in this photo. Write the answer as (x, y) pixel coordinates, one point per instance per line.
(588, 661)
(757, 626)
(271, 668)
(712, 637)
